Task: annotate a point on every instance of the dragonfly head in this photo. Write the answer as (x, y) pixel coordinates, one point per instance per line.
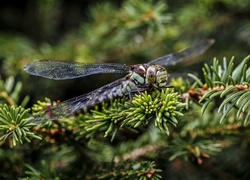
(149, 75)
(157, 76)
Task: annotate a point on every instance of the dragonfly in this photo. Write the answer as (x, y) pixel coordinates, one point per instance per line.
(140, 77)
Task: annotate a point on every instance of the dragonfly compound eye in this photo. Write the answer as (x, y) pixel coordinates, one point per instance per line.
(161, 77)
(151, 75)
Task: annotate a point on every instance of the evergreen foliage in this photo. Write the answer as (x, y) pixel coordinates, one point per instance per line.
(14, 123)
(229, 83)
(161, 107)
(196, 128)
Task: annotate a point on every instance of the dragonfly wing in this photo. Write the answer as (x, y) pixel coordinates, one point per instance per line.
(174, 58)
(61, 70)
(61, 110)
(77, 104)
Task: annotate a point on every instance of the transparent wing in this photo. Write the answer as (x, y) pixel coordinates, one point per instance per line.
(77, 104)
(174, 58)
(61, 70)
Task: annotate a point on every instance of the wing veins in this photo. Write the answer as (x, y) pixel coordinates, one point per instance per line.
(74, 105)
(62, 70)
(193, 51)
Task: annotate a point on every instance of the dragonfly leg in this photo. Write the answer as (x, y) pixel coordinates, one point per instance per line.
(135, 91)
(130, 96)
(138, 91)
(167, 86)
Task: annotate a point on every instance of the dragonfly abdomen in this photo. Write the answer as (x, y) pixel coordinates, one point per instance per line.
(119, 88)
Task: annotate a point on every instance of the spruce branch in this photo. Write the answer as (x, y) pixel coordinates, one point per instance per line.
(13, 122)
(10, 91)
(130, 170)
(192, 148)
(135, 14)
(162, 107)
(45, 172)
(228, 83)
(125, 170)
(180, 84)
(143, 151)
(43, 105)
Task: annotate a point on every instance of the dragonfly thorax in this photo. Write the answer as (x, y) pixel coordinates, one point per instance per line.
(145, 75)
